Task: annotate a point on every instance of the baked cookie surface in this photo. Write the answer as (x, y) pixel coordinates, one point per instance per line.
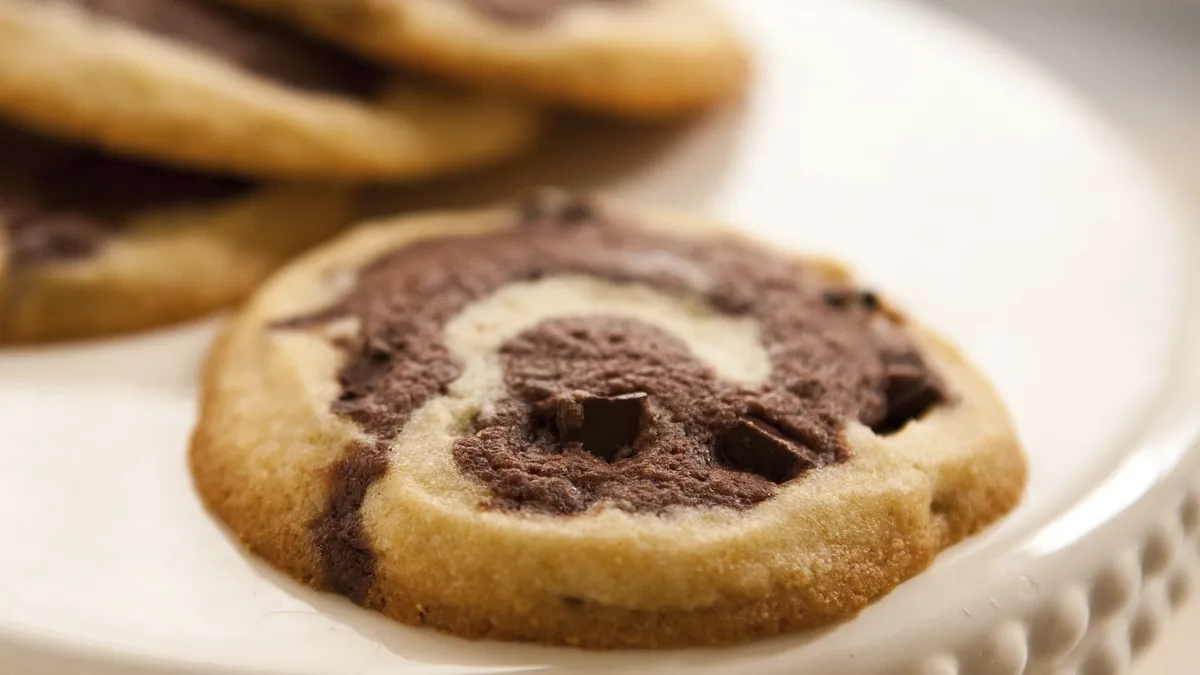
(573, 423)
(91, 244)
(635, 58)
(200, 84)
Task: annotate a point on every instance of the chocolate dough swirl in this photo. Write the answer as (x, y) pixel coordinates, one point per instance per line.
(61, 202)
(608, 409)
(258, 45)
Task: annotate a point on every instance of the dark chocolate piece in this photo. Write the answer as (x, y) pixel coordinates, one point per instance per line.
(838, 298)
(603, 425)
(757, 447)
(911, 391)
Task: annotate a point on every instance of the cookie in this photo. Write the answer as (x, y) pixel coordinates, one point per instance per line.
(201, 85)
(634, 58)
(572, 422)
(92, 244)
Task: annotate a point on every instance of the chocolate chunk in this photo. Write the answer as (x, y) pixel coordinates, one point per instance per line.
(757, 447)
(869, 300)
(911, 391)
(838, 298)
(911, 388)
(603, 425)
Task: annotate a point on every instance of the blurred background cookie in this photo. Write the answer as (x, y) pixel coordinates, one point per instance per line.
(92, 244)
(194, 83)
(634, 58)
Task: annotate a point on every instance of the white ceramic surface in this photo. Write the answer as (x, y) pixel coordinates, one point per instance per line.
(945, 169)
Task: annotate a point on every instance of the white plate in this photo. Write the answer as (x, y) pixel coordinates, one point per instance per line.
(945, 169)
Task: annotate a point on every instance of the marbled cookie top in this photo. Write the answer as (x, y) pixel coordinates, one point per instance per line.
(609, 409)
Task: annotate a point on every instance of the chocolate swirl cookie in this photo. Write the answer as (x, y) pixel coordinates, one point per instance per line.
(633, 58)
(199, 84)
(94, 244)
(570, 422)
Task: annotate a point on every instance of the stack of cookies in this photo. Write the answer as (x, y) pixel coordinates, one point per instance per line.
(159, 158)
(562, 419)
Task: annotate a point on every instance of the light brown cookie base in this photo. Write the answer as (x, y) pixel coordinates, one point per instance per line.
(170, 102)
(613, 58)
(821, 550)
(168, 266)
